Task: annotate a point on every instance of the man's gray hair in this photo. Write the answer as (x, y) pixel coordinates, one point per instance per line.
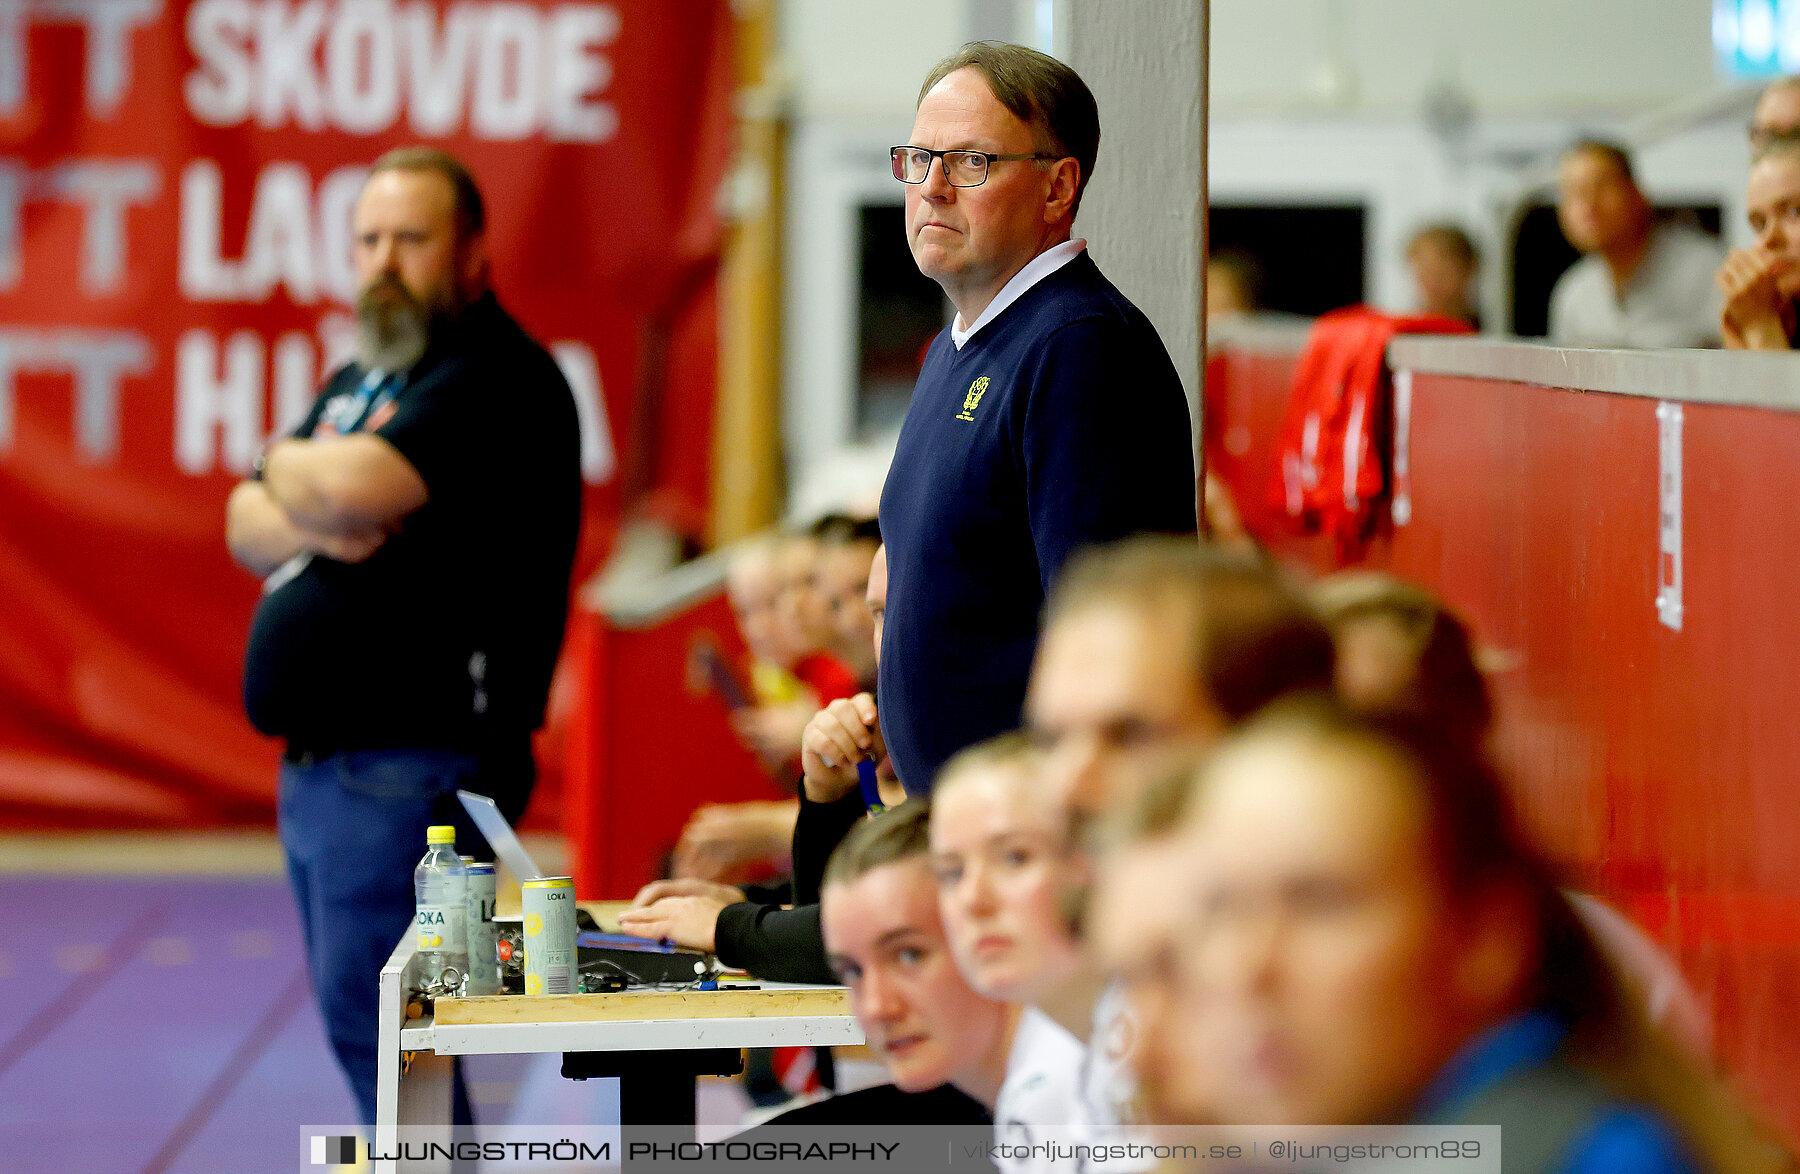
(1041, 92)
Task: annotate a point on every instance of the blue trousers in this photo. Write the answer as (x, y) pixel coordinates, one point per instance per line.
(353, 827)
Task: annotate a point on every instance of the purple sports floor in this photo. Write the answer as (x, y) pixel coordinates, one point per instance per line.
(164, 1026)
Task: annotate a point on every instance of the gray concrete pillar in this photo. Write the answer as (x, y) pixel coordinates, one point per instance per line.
(1144, 212)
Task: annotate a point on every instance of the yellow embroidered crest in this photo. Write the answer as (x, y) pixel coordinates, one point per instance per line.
(973, 399)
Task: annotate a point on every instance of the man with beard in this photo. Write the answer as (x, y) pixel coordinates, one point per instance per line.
(415, 536)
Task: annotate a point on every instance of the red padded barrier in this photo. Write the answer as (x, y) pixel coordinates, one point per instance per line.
(643, 751)
(1661, 767)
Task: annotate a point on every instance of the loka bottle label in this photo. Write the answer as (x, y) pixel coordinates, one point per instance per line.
(441, 926)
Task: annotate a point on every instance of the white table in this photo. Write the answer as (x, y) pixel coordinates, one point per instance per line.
(654, 1027)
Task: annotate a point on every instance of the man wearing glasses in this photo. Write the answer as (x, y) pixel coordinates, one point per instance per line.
(1047, 415)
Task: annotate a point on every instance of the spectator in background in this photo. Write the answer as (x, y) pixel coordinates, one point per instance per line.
(765, 938)
(1444, 262)
(1152, 648)
(885, 940)
(1000, 851)
(1048, 414)
(753, 586)
(1639, 283)
(773, 588)
(847, 548)
(777, 699)
(1760, 283)
(733, 843)
(1400, 649)
(1777, 114)
(1234, 285)
(803, 607)
(1234, 290)
(1383, 945)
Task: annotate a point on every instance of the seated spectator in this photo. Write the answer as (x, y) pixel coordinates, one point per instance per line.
(1777, 114)
(1222, 522)
(1399, 648)
(1234, 283)
(1444, 262)
(754, 585)
(1377, 942)
(1000, 850)
(804, 609)
(774, 593)
(1760, 283)
(739, 843)
(771, 941)
(733, 843)
(1136, 933)
(736, 843)
(1152, 647)
(846, 548)
(885, 940)
(1639, 283)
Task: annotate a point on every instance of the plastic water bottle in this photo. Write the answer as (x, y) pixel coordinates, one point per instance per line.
(440, 920)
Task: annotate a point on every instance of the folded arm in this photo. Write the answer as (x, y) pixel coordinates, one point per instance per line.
(257, 531)
(343, 485)
(339, 497)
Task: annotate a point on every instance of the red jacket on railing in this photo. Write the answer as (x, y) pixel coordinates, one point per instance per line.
(1330, 466)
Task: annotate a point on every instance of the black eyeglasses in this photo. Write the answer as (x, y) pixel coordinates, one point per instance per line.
(962, 169)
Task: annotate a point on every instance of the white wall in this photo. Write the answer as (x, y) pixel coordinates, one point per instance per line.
(1406, 177)
(1514, 57)
(1315, 99)
(852, 60)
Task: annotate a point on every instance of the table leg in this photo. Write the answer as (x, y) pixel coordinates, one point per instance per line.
(389, 1063)
(656, 1088)
(424, 1113)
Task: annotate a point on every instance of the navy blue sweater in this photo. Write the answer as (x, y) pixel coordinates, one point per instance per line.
(1060, 423)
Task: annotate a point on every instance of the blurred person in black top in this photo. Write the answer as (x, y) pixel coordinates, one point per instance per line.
(415, 535)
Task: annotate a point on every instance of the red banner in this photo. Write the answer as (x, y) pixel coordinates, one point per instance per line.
(176, 180)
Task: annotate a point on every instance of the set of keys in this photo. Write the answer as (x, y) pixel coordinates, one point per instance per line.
(446, 984)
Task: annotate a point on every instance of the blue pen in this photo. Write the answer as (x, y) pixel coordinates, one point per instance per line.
(871, 790)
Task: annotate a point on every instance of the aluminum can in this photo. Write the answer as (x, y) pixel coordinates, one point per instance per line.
(484, 935)
(549, 904)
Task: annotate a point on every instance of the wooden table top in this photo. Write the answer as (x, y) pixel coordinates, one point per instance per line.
(771, 1000)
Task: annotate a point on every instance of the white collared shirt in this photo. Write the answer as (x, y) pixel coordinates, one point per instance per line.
(1035, 270)
(1040, 1099)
